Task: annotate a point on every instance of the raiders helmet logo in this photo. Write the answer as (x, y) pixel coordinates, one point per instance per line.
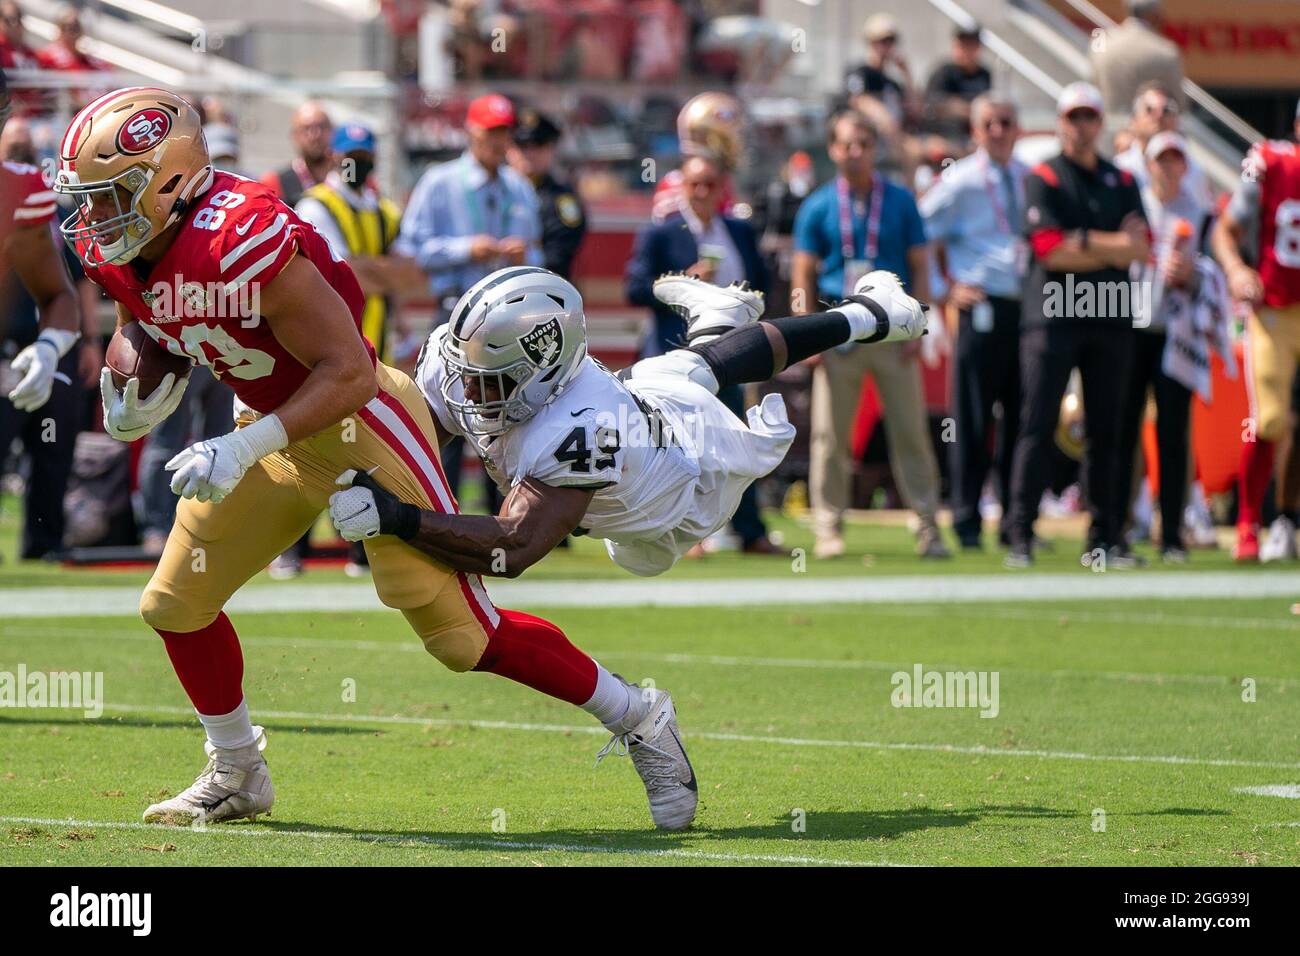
(544, 343)
(143, 131)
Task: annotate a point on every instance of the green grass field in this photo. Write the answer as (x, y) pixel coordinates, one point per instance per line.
(1123, 712)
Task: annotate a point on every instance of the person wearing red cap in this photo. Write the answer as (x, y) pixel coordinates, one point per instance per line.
(468, 218)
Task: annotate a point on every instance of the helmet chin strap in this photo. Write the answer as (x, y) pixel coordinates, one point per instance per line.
(196, 187)
(123, 257)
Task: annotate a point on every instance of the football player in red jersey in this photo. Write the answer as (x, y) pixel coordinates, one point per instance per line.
(1267, 202)
(27, 247)
(217, 269)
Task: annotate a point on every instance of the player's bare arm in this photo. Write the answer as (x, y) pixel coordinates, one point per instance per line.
(32, 254)
(1225, 242)
(36, 259)
(535, 517)
(312, 323)
(310, 320)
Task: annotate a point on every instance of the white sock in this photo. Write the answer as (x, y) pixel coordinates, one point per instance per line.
(861, 322)
(612, 698)
(229, 731)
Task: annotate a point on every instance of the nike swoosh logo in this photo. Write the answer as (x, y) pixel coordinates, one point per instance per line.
(247, 225)
(581, 410)
(688, 784)
(359, 513)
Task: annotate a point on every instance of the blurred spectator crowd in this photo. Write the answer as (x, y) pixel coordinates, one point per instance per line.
(1047, 399)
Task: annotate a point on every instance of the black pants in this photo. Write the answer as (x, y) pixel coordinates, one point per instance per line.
(986, 373)
(1102, 351)
(49, 437)
(1173, 413)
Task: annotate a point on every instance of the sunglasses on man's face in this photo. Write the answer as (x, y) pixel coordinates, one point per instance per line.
(993, 122)
(1082, 116)
(886, 41)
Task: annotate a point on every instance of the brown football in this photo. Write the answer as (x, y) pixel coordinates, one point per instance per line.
(133, 354)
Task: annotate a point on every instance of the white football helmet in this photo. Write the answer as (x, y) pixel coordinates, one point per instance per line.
(519, 334)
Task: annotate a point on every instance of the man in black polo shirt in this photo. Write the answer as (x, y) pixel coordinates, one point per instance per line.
(956, 82)
(1085, 225)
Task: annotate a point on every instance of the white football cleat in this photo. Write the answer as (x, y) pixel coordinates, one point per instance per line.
(1279, 545)
(650, 737)
(709, 310)
(234, 784)
(901, 316)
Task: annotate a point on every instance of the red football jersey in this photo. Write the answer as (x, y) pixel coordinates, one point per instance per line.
(25, 200)
(1277, 168)
(200, 299)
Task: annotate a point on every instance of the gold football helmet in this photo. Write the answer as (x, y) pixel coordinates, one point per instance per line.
(1071, 436)
(712, 123)
(133, 160)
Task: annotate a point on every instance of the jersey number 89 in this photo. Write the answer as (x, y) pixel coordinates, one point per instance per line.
(213, 215)
(1286, 240)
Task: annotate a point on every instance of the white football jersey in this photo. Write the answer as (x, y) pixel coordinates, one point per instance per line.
(597, 433)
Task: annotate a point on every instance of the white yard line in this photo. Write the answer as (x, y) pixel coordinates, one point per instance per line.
(1289, 790)
(980, 751)
(793, 589)
(453, 843)
(143, 634)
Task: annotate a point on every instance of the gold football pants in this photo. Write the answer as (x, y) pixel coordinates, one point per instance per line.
(214, 548)
(1272, 350)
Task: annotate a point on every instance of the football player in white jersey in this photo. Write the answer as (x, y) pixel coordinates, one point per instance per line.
(648, 460)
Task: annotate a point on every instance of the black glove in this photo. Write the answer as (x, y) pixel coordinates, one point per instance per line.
(396, 517)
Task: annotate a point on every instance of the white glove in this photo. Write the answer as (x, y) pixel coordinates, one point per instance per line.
(127, 418)
(353, 510)
(210, 470)
(38, 364)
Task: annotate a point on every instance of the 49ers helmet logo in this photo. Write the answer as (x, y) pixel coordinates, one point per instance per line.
(143, 131)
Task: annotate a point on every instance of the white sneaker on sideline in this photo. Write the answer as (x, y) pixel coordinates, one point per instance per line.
(1279, 544)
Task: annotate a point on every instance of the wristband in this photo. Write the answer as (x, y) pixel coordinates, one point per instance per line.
(405, 520)
(61, 340)
(261, 438)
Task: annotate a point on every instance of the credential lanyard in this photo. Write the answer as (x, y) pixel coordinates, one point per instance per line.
(991, 186)
(477, 221)
(873, 219)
